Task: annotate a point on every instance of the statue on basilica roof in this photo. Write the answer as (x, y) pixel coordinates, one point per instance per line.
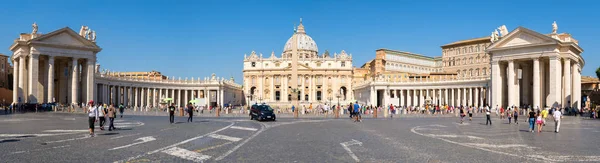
(554, 27)
(35, 29)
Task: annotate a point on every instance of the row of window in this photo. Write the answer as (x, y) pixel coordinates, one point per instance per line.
(465, 61)
(465, 50)
(473, 72)
(317, 79)
(343, 64)
(410, 67)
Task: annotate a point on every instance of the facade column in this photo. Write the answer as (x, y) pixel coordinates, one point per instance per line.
(372, 95)
(50, 79)
(207, 96)
(408, 98)
(21, 89)
(422, 98)
(555, 82)
(91, 93)
(222, 95)
(154, 98)
(481, 95)
(33, 79)
(470, 99)
(458, 97)
(576, 103)
(536, 83)
(178, 97)
(185, 95)
(401, 98)
(452, 101)
(476, 97)
(496, 85)
(567, 80)
(143, 97)
(160, 94)
(510, 80)
(74, 81)
(445, 97)
(16, 80)
(135, 98)
(464, 97)
(439, 99)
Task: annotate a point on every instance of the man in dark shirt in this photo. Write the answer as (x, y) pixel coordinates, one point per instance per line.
(532, 120)
(190, 110)
(172, 113)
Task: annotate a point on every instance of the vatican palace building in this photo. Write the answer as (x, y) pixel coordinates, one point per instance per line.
(510, 68)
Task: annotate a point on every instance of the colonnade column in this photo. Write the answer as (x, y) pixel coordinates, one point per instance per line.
(135, 98)
(476, 97)
(422, 98)
(510, 80)
(186, 97)
(576, 86)
(555, 81)
(74, 86)
(452, 101)
(408, 98)
(497, 84)
(536, 83)
(401, 98)
(439, 100)
(470, 99)
(90, 80)
(16, 80)
(445, 97)
(21, 81)
(567, 79)
(50, 79)
(415, 98)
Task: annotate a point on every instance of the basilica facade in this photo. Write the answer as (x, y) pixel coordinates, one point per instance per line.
(319, 77)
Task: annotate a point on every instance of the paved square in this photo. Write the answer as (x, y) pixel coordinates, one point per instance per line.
(57, 137)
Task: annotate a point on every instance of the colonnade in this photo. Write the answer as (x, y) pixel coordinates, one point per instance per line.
(463, 96)
(149, 97)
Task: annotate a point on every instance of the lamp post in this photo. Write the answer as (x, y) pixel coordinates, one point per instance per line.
(248, 102)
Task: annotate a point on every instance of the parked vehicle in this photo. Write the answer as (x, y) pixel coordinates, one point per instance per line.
(262, 112)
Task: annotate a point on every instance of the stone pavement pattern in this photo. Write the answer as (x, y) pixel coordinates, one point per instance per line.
(58, 137)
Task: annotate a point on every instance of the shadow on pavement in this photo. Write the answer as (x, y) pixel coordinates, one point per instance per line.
(9, 140)
(112, 133)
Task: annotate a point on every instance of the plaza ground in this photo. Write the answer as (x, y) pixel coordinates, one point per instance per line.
(62, 137)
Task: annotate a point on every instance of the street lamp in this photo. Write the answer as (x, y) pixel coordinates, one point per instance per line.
(338, 95)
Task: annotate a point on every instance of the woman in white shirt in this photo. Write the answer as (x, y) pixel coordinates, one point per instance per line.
(92, 116)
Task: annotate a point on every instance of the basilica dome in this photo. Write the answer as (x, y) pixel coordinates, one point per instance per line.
(302, 41)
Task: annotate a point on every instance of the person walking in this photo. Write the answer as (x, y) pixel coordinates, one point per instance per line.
(539, 121)
(92, 117)
(121, 110)
(392, 111)
(462, 115)
(531, 120)
(557, 117)
(111, 118)
(172, 113)
(357, 114)
(470, 113)
(190, 112)
(487, 117)
(544, 115)
(516, 115)
(101, 114)
(509, 112)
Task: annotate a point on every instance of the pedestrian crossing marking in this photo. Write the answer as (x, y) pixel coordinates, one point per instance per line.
(225, 137)
(243, 128)
(186, 154)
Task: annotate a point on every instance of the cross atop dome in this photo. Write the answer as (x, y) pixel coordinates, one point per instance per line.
(300, 28)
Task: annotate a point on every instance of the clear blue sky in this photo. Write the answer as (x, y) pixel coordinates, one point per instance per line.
(197, 38)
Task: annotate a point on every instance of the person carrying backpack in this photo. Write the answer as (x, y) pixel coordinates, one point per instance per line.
(172, 113)
(121, 109)
(190, 112)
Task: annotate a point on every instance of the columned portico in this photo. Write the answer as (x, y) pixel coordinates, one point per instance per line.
(553, 57)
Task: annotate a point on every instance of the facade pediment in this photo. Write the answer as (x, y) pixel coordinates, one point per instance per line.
(64, 37)
(522, 37)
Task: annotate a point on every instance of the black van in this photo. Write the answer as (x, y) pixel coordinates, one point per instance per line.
(262, 112)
